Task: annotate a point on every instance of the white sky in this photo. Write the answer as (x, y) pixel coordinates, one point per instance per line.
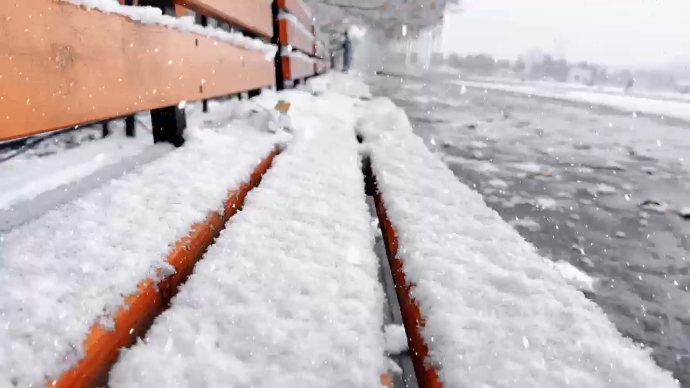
(610, 32)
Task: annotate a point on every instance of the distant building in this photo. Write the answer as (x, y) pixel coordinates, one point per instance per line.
(580, 75)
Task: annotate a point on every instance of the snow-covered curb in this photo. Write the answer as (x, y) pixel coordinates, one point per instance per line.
(152, 15)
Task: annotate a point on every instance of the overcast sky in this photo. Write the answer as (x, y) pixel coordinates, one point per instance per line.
(611, 32)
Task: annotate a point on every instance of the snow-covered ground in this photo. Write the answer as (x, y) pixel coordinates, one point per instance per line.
(593, 187)
(567, 86)
(661, 106)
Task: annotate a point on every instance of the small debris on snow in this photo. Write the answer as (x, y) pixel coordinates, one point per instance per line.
(396, 339)
(282, 106)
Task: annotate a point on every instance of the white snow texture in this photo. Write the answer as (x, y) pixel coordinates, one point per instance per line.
(288, 296)
(153, 15)
(74, 267)
(497, 314)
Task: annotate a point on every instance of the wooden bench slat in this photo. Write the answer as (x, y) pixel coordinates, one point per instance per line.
(292, 34)
(252, 15)
(62, 65)
(298, 9)
(296, 68)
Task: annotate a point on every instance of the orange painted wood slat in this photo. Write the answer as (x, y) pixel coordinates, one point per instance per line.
(102, 347)
(292, 34)
(62, 65)
(181, 11)
(296, 68)
(427, 375)
(299, 9)
(252, 15)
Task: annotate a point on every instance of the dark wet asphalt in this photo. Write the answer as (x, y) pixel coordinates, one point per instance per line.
(572, 179)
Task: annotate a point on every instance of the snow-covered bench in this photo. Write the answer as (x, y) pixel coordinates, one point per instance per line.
(288, 296)
(71, 62)
(86, 279)
(481, 307)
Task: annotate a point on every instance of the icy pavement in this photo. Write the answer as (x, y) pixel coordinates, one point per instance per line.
(288, 296)
(593, 187)
(74, 267)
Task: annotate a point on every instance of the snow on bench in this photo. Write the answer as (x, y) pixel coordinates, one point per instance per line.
(74, 267)
(288, 296)
(494, 313)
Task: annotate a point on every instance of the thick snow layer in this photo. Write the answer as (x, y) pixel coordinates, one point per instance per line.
(153, 15)
(288, 51)
(22, 179)
(497, 314)
(288, 296)
(74, 266)
(282, 15)
(665, 108)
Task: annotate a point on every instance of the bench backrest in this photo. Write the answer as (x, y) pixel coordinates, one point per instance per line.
(297, 40)
(70, 65)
